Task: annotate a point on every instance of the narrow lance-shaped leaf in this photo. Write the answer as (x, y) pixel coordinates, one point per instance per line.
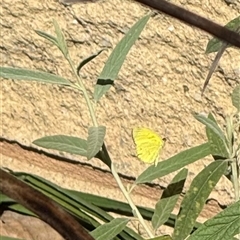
(88, 59)
(117, 57)
(210, 124)
(195, 198)
(61, 40)
(109, 230)
(32, 75)
(5, 199)
(9, 238)
(48, 37)
(214, 65)
(166, 237)
(215, 44)
(174, 163)
(217, 144)
(236, 97)
(224, 225)
(20, 209)
(69, 144)
(166, 204)
(95, 140)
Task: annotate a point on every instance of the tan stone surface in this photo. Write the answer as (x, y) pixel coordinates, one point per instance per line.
(149, 91)
(25, 227)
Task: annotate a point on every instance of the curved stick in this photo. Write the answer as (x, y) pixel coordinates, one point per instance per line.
(44, 207)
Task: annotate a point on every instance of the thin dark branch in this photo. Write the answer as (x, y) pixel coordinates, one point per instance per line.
(195, 20)
(186, 16)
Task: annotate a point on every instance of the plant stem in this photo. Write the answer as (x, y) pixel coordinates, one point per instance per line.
(105, 156)
(85, 94)
(235, 179)
(127, 195)
(130, 202)
(233, 154)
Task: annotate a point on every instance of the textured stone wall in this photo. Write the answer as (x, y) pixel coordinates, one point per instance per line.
(159, 85)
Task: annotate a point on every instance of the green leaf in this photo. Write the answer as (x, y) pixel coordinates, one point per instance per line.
(215, 44)
(195, 198)
(214, 64)
(86, 60)
(166, 237)
(5, 199)
(47, 36)
(217, 144)
(117, 57)
(95, 140)
(174, 163)
(211, 125)
(224, 225)
(20, 209)
(236, 98)
(108, 231)
(73, 145)
(61, 40)
(58, 41)
(166, 204)
(26, 74)
(9, 238)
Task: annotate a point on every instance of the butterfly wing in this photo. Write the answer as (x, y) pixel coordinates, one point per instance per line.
(148, 144)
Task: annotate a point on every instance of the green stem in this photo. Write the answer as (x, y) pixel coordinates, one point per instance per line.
(233, 154)
(235, 179)
(105, 155)
(135, 211)
(85, 94)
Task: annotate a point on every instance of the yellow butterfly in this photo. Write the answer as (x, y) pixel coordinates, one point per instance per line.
(148, 144)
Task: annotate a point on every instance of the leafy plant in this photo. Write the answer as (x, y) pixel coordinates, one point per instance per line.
(215, 45)
(224, 146)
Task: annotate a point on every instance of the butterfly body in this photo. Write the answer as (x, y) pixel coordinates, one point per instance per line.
(148, 144)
